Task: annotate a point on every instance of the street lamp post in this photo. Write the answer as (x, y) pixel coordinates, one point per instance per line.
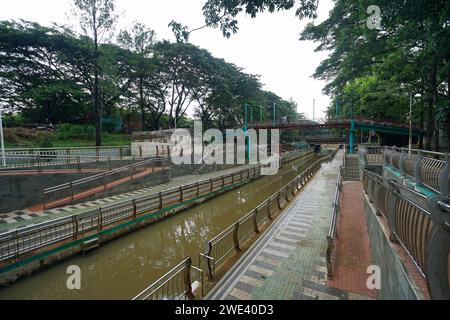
(410, 120)
(411, 102)
(2, 141)
(274, 115)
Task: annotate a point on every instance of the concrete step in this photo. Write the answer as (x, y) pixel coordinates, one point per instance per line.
(91, 244)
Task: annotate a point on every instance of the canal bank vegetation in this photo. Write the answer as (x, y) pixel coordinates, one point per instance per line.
(64, 136)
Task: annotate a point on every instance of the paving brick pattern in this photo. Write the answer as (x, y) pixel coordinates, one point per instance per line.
(288, 262)
(353, 253)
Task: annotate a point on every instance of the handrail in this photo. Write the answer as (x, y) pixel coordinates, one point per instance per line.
(427, 168)
(174, 285)
(332, 232)
(42, 162)
(419, 224)
(232, 238)
(15, 243)
(57, 192)
(240, 231)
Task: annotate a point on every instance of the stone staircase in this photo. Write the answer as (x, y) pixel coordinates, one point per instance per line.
(351, 169)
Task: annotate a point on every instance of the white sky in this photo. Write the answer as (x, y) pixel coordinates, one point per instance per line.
(267, 46)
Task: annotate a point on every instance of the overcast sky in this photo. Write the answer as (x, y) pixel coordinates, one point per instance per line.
(267, 46)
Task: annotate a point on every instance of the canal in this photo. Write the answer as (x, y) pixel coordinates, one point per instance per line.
(124, 267)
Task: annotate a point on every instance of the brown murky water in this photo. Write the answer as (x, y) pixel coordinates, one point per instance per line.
(124, 267)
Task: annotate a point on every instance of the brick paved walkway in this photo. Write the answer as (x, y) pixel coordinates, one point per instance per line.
(288, 262)
(352, 250)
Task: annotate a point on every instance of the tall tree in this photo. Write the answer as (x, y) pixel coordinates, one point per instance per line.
(96, 19)
(141, 41)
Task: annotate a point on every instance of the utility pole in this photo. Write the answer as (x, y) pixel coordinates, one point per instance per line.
(337, 107)
(352, 128)
(274, 115)
(2, 141)
(410, 120)
(314, 110)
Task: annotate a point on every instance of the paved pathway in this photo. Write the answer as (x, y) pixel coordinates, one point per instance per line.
(288, 262)
(352, 250)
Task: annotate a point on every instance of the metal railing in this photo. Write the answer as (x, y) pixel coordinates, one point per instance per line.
(228, 241)
(420, 224)
(332, 232)
(233, 238)
(13, 244)
(117, 152)
(43, 163)
(371, 155)
(427, 168)
(67, 192)
(177, 284)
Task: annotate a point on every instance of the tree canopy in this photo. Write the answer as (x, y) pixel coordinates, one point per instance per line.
(48, 75)
(372, 71)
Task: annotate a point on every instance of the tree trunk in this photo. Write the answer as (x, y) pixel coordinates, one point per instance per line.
(141, 103)
(434, 98)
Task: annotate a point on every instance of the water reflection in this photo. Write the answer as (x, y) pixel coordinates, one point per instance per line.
(123, 267)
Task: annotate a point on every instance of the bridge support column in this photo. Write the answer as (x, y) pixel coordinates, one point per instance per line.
(352, 136)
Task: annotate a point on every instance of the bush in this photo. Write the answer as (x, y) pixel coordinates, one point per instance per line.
(46, 143)
(70, 131)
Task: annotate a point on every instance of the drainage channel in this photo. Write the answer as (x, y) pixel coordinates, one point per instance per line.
(122, 268)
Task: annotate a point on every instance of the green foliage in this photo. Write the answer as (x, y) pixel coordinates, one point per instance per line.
(46, 143)
(70, 131)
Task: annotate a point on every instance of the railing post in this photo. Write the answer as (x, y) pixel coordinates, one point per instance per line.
(269, 211)
(71, 191)
(99, 220)
(236, 241)
(110, 163)
(279, 201)
(160, 201)
(210, 264)
(121, 152)
(255, 222)
(75, 227)
(198, 189)
(418, 167)
(391, 214)
(444, 178)
(187, 279)
(134, 209)
(140, 152)
(181, 194)
(105, 184)
(78, 163)
(211, 186)
(438, 247)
